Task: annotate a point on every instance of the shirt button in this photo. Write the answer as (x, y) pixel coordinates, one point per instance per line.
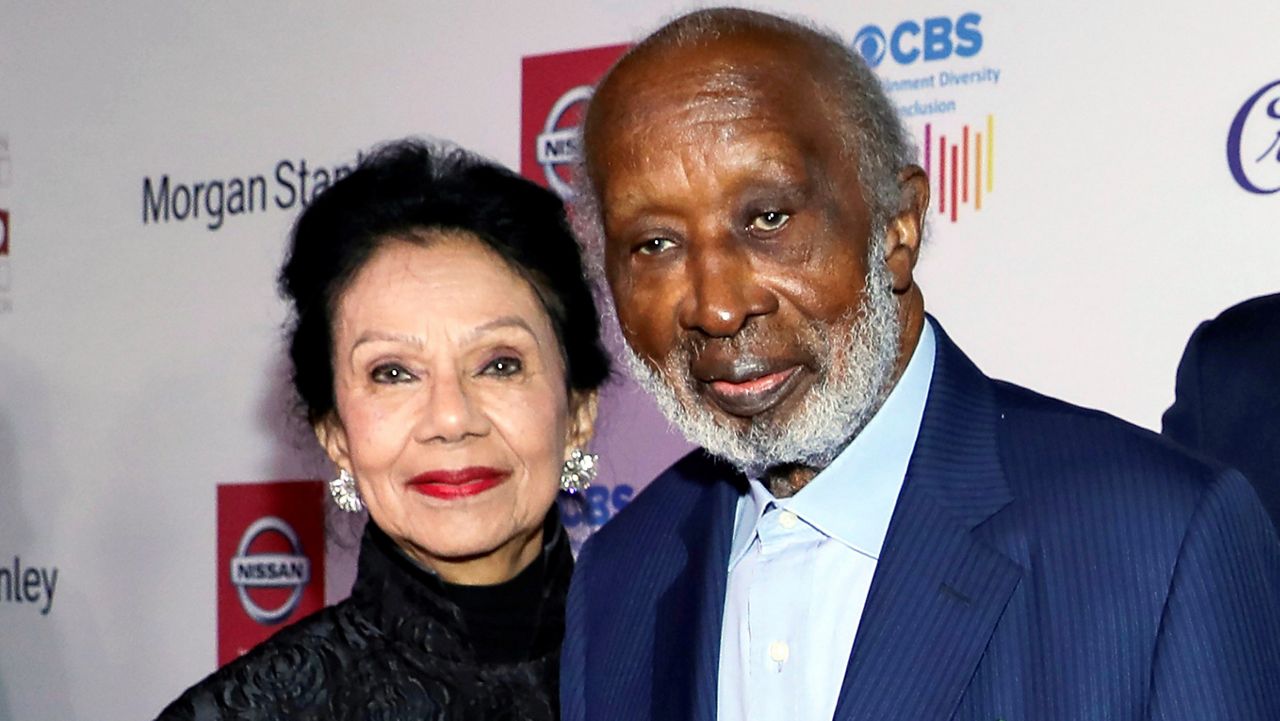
(787, 520)
(779, 651)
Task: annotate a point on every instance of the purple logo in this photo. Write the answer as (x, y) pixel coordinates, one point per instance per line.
(1253, 145)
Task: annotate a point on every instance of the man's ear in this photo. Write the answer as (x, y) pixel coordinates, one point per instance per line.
(906, 228)
(333, 438)
(583, 406)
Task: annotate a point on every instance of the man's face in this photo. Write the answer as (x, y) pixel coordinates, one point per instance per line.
(736, 247)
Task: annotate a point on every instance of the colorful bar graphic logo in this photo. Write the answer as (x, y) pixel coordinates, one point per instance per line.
(965, 167)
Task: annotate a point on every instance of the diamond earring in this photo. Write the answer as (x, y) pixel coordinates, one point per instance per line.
(579, 471)
(343, 490)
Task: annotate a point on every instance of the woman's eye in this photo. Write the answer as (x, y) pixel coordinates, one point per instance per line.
(653, 246)
(769, 222)
(391, 373)
(503, 367)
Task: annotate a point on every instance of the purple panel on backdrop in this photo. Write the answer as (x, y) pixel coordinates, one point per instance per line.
(635, 444)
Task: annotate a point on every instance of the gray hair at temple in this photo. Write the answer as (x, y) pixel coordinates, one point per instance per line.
(872, 131)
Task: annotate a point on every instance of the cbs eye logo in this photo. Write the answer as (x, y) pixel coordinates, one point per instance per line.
(871, 45)
(1253, 142)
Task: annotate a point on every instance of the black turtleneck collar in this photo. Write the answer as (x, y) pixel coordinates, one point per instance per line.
(518, 620)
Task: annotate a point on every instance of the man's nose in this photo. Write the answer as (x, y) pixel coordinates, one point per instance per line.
(449, 413)
(724, 291)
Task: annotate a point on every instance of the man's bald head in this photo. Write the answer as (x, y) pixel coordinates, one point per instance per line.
(850, 93)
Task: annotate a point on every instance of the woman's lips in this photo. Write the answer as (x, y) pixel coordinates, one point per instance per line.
(457, 484)
(753, 396)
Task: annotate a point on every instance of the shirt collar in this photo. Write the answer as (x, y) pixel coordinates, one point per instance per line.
(852, 500)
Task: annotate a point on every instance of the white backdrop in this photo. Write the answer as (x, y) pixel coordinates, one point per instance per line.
(140, 363)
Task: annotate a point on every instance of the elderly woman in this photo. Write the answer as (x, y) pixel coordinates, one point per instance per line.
(447, 351)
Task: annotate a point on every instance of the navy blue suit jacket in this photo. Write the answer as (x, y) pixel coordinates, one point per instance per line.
(1228, 394)
(1043, 563)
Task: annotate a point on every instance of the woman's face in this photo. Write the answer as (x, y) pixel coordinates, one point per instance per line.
(451, 405)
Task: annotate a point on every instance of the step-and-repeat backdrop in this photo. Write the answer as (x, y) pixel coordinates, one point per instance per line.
(1104, 177)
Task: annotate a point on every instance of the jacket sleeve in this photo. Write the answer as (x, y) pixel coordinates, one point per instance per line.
(1184, 420)
(573, 666)
(1217, 653)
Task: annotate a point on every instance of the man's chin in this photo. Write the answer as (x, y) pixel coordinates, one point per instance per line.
(749, 442)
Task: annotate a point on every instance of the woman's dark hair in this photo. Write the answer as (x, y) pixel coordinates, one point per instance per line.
(402, 190)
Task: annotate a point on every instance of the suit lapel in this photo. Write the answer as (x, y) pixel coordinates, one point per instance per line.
(690, 612)
(938, 591)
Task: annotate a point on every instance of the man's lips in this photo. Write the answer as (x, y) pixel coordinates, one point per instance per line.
(457, 483)
(750, 396)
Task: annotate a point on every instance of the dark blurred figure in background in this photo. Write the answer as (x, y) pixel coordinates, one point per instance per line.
(1228, 394)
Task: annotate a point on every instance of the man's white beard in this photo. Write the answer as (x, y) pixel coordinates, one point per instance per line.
(858, 353)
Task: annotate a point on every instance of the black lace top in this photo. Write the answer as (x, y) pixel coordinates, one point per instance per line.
(406, 645)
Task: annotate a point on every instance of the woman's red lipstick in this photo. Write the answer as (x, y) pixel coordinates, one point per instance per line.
(457, 484)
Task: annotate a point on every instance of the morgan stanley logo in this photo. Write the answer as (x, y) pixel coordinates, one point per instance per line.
(251, 570)
(1253, 143)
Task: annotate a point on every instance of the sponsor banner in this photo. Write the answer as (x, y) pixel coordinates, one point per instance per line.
(6, 277)
(1253, 142)
(554, 91)
(271, 547)
(290, 184)
(938, 73)
(6, 274)
(28, 585)
(6, 170)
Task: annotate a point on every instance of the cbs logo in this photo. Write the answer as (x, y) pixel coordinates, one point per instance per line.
(595, 505)
(937, 38)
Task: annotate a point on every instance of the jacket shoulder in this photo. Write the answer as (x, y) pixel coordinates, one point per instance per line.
(662, 505)
(1249, 316)
(1056, 448)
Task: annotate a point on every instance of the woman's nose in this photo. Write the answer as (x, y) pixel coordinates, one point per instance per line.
(449, 413)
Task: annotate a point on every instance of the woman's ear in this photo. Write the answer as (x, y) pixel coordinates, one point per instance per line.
(583, 406)
(333, 438)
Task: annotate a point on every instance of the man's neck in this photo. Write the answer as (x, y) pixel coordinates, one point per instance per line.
(786, 480)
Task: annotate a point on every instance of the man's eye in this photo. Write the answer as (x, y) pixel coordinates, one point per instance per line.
(769, 222)
(503, 367)
(391, 373)
(653, 246)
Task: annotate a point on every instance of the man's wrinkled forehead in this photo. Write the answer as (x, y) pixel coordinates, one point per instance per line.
(712, 83)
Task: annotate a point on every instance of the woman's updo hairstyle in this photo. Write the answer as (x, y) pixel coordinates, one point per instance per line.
(404, 191)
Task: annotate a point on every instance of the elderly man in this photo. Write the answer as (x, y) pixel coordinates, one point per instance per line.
(873, 529)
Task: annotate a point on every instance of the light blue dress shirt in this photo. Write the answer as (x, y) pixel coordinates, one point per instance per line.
(800, 567)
